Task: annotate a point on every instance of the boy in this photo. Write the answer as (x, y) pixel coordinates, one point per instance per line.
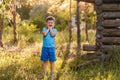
(48, 48)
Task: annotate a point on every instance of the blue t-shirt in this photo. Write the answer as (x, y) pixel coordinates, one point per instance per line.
(48, 40)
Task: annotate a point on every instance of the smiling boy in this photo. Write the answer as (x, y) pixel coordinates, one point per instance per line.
(48, 48)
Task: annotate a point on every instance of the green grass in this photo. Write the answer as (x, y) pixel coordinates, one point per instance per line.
(22, 61)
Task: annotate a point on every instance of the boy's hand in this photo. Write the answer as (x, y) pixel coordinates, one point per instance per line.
(50, 28)
(46, 32)
(51, 32)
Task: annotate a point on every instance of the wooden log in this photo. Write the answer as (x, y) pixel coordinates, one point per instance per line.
(98, 2)
(87, 47)
(109, 40)
(111, 15)
(104, 1)
(99, 35)
(111, 23)
(111, 1)
(110, 7)
(100, 28)
(98, 44)
(98, 9)
(109, 47)
(111, 32)
(89, 1)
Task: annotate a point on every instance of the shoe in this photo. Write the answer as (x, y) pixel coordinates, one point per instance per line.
(51, 76)
(44, 76)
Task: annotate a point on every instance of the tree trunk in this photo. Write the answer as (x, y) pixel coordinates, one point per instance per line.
(78, 28)
(1, 29)
(86, 21)
(70, 23)
(14, 22)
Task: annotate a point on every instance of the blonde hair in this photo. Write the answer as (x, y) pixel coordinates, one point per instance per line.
(50, 18)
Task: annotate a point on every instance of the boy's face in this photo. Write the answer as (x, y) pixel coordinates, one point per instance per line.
(50, 23)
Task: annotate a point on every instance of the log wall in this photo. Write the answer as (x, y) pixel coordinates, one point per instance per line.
(107, 26)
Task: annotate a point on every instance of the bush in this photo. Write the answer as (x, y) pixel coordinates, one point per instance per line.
(39, 21)
(26, 33)
(26, 29)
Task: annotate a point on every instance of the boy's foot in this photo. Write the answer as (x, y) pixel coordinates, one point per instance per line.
(51, 76)
(44, 76)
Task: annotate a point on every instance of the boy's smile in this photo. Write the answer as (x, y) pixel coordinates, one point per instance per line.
(50, 23)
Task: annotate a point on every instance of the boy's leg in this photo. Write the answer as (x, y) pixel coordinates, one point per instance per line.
(44, 66)
(44, 58)
(51, 67)
(52, 59)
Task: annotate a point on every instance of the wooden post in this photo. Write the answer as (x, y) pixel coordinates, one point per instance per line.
(78, 28)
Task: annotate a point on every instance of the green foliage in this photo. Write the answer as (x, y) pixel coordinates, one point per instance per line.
(23, 61)
(38, 14)
(26, 29)
(7, 1)
(17, 67)
(39, 21)
(24, 11)
(26, 33)
(61, 20)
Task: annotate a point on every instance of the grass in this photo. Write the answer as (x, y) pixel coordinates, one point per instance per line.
(22, 61)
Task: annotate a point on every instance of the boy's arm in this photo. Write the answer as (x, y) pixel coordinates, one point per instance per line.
(52, 33)
(46, 32)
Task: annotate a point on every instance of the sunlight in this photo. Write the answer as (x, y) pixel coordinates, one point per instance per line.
(30, 29)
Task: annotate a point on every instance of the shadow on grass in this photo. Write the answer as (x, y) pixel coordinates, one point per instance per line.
(8, 72)
(29, 69)
(99, 70)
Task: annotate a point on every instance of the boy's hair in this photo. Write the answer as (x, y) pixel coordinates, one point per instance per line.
(50, 18)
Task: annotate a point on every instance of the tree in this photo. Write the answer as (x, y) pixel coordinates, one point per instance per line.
(3, 6)
(86, 20)
(13, 10)
(38, 14)
(1, 28)
(2, 21)
(87, 10)
(78, 28)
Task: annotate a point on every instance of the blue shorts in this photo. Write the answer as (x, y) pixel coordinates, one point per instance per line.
(48, 53)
